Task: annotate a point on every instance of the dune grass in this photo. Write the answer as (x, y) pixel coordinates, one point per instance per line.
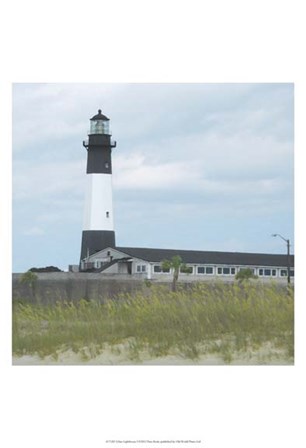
(207, 318)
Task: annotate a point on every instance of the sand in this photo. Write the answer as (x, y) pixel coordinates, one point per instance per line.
(119, 355)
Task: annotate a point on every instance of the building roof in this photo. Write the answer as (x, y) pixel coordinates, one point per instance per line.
(207, 257)
(100, 116)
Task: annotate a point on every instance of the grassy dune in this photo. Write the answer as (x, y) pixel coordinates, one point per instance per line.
(217, 319)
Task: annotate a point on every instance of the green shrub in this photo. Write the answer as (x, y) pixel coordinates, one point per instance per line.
(245, 275)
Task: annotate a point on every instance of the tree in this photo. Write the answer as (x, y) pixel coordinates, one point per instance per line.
(46, 269)
(178, 266)
(30, 278)
(245, 275)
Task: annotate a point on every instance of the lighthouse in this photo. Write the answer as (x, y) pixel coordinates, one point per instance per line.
(98, 227)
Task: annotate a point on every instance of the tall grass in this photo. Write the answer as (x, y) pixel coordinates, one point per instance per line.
(207, 318)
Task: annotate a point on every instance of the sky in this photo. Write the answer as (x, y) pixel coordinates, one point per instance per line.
(197, 166)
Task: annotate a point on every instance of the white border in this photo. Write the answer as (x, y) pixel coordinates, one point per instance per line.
(152, 41)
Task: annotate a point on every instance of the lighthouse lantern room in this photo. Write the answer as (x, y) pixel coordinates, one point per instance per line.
(98, 227)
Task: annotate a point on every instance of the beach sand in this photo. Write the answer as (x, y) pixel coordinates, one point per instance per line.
(120, 355)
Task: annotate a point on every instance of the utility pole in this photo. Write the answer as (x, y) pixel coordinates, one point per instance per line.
(288, 254)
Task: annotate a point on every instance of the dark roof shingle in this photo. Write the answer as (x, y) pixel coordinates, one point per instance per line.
(208, 257)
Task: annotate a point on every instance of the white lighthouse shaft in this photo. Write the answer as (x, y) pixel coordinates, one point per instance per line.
(98, 202)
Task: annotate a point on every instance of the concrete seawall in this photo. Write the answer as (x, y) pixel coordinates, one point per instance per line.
(70, 286)
(59, 286)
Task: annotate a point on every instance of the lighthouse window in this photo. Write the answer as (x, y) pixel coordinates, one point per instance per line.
(107, 214)
(106, 165)
(99, 127)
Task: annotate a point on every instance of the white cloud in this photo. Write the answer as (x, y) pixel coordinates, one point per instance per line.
(44, 112)
(34, 231)
(137, 172)
(43, 179)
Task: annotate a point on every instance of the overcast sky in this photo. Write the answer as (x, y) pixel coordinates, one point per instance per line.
(197, 166)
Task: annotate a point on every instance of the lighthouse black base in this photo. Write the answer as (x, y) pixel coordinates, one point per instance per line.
(95, 240)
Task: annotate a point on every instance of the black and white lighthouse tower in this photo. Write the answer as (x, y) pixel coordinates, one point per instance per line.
(98, 228)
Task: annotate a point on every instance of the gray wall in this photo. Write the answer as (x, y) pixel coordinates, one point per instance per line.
(52, 287)
(59, 286)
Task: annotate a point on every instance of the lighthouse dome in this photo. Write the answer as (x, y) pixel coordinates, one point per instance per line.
(100, 116)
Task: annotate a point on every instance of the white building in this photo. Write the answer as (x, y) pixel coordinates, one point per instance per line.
(146, 263)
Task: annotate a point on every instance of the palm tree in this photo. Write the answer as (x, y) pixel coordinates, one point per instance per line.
(177, 265)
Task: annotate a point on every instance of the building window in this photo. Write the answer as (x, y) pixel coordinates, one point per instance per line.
(186, 270)
(209, 270)
(284, 272)
(141, 268)
(267, 272)
(249, 269)
(158, 269)
(226, 271)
